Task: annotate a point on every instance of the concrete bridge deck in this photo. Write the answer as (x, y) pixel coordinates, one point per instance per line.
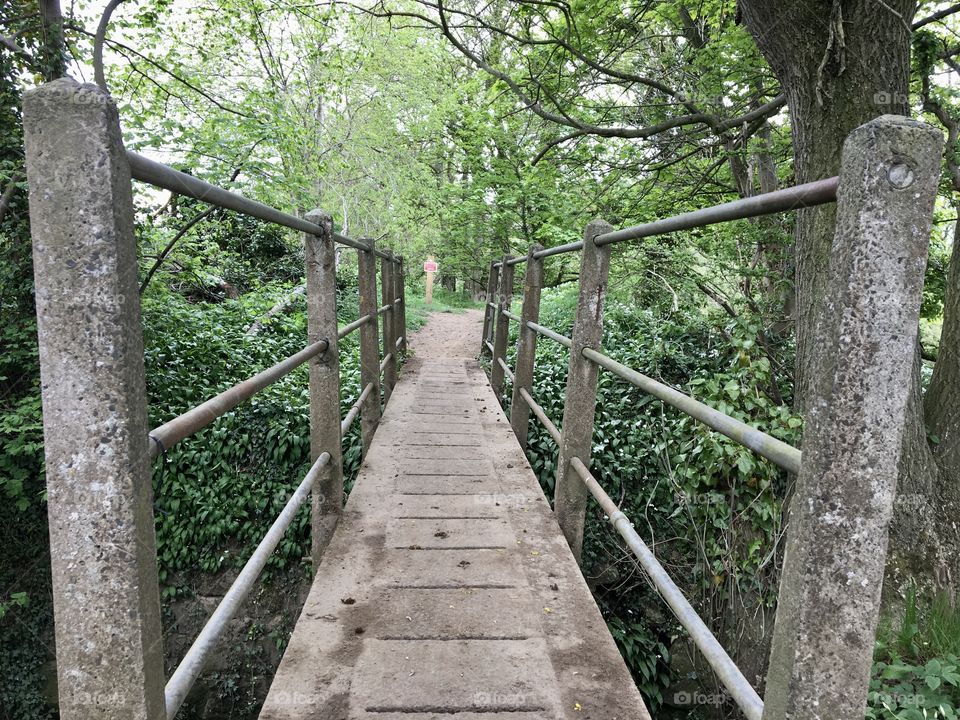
(448, 590)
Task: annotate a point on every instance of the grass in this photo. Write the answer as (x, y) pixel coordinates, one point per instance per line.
(443, 301)
(925, 630)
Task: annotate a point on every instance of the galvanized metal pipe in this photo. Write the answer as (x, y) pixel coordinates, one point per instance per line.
(541, 415)
(358, 323)
(506, 369)
(384, 308)
(163, 176)
(811, 194)
(189, 668)
(555, 336)
(354, 410)
(515, 318)
(489, 345)
(170, 433)
(727, 671)
(385, 361)
(777, 451)
(819, 192)
(400, 340)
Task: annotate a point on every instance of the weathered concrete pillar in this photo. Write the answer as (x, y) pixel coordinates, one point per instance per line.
(100, 501)
(570, 496)
(526, 346)
(502, 332)
(837, 538)
(387, 285)
(327, 500)
(369, 344)
(402, 315)
(489, 314)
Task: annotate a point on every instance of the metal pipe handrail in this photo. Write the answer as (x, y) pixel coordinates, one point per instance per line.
(507, 313)
(727, 671)
(400, 340)
(537, 410)
(192, 663)
(355, 410)
(164, 176)
(547, 332)
(777, 451)
(384, 308)
(385, 362)
(358, 323)
(809, 194)
(506, 369)
(165, 436)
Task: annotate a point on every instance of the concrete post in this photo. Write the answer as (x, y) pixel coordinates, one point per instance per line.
(389, 294)
(402, 317)
(502, 333)
(526, 346)
(837, 538)
(488, 312)
(106, 600)
(369, 344)
(327, 500)
(570, 495)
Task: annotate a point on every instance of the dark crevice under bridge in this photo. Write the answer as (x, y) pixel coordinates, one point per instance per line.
(447, 586)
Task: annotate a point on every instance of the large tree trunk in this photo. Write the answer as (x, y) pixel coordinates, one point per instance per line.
(838, 71)
(840, 65)
(941, 403)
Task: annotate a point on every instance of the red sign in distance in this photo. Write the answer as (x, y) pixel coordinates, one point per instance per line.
(430, 267)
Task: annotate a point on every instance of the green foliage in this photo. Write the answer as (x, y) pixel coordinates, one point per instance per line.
(717, 502)
(916, 669)
(217, 492)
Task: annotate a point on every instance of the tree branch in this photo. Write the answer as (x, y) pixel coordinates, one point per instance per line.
(939, 15)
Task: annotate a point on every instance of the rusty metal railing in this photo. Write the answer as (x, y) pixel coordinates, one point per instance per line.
(165, 436)
(575, 451)
(164, 176)
(723, 665)
(819, 192)
(179, 684)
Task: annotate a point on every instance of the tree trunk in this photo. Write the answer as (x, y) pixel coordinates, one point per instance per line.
(840, 65)
(942, 404)
(839, 69)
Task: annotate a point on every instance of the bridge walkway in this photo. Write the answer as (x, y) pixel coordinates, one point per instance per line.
(448, 590)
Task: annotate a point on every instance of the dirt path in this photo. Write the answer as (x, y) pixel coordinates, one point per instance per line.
(449, 335)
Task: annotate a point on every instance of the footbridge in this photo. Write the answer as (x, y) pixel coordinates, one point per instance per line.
(447, 586)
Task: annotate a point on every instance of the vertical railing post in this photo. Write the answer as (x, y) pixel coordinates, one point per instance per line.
(401, 293)
(489, 314)
(103, 557)
(327, 500)
(388, 295)
(502, 332)
(837, 537)
(369, 344)
(526, 346)
(570, 496)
